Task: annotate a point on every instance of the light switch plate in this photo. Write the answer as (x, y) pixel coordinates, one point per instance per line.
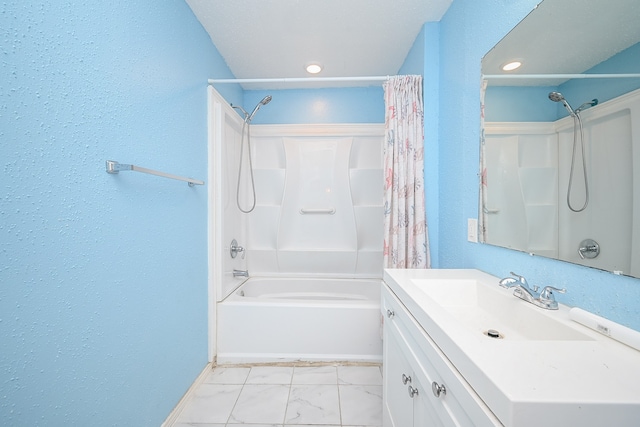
(472, 230)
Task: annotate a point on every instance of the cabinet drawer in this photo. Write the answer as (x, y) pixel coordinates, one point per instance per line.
(457, 404)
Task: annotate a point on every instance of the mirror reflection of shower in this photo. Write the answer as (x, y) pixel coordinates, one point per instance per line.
(577, 125)
(247, 125)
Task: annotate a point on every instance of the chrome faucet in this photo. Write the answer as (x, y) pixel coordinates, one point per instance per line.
(544, 299)
(240, 273)
(521, 287)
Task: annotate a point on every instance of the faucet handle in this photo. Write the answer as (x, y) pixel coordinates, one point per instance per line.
(520, 278)
(547, 293)
(234, 249)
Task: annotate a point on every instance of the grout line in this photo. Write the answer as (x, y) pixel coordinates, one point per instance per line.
(286, 407)
(212, 367)
(244, 383)
(339, 400)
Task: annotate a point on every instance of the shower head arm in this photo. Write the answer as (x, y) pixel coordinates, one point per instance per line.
(246, 115)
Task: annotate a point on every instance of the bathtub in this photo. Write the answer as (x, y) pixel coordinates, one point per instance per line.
(307, 319)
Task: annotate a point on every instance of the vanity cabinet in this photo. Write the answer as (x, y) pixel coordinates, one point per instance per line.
(421, 387)
(405, 396)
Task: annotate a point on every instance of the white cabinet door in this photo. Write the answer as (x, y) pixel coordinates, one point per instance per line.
(398, 407)
(410, 351)
(423, 411)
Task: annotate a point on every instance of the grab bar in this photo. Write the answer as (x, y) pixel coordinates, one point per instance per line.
(115, 167)
(328, 211)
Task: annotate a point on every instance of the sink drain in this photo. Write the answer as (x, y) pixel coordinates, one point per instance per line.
(492, 333)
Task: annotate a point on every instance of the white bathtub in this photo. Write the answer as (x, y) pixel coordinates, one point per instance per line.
(309, 319)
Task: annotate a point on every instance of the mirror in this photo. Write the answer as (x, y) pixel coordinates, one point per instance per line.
(560, 148)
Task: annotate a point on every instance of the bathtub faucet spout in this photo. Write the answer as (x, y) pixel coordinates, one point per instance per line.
(240, 273)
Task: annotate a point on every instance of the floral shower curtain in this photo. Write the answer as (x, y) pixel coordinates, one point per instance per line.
(406, 243)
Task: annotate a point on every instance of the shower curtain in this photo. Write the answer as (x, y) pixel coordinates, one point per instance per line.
(406, 243)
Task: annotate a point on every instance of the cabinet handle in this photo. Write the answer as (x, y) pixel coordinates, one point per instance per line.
(390, 313)
(438, 389)
(406, 379)
(412, 392)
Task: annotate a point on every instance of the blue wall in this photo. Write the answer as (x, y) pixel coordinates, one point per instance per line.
(424, 59)
(467, 31)
(103, 278)
(577, 91)
(531, 104)
(333, 105)
(520, 104)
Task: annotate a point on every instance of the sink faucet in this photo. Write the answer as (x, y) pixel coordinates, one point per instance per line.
(521, 287)
(544, 299)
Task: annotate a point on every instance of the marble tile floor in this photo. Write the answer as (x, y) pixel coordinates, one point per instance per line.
(283, 396)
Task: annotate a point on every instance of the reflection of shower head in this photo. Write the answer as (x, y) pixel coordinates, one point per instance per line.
(264, 101)
(557, 97)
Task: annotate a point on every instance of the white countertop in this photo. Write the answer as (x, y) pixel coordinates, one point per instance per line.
(589, 382)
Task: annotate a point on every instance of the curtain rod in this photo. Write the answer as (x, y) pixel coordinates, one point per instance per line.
(303, 80)
(559, 76)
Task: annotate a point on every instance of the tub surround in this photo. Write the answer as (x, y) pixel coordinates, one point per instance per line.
(319, 200)
(554, 372)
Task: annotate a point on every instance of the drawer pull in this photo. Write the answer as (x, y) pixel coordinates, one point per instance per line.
(412, 392)
(438, 389)
(390, 313)
(406, 379)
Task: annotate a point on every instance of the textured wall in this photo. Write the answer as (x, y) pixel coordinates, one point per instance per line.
(103, 279)
(468, 30)
(332, 105)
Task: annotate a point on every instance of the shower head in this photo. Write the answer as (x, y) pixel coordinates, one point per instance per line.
(557, 97)
(264, 101)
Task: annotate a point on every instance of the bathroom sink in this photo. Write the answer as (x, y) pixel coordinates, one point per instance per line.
(541, 369)
(495, 312)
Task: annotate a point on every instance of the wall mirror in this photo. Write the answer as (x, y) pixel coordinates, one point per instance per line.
(560, 140)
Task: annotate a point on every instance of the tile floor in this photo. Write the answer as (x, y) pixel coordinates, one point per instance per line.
(282, 396)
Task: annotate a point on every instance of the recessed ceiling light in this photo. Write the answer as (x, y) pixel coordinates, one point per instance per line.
(313, 68)
(511, 65)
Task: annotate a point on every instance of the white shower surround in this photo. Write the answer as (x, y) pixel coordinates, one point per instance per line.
(534, 207)
(319, 168)
(279, 239)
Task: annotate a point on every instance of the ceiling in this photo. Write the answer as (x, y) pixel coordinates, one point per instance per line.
(566, 37)
(350, 38)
